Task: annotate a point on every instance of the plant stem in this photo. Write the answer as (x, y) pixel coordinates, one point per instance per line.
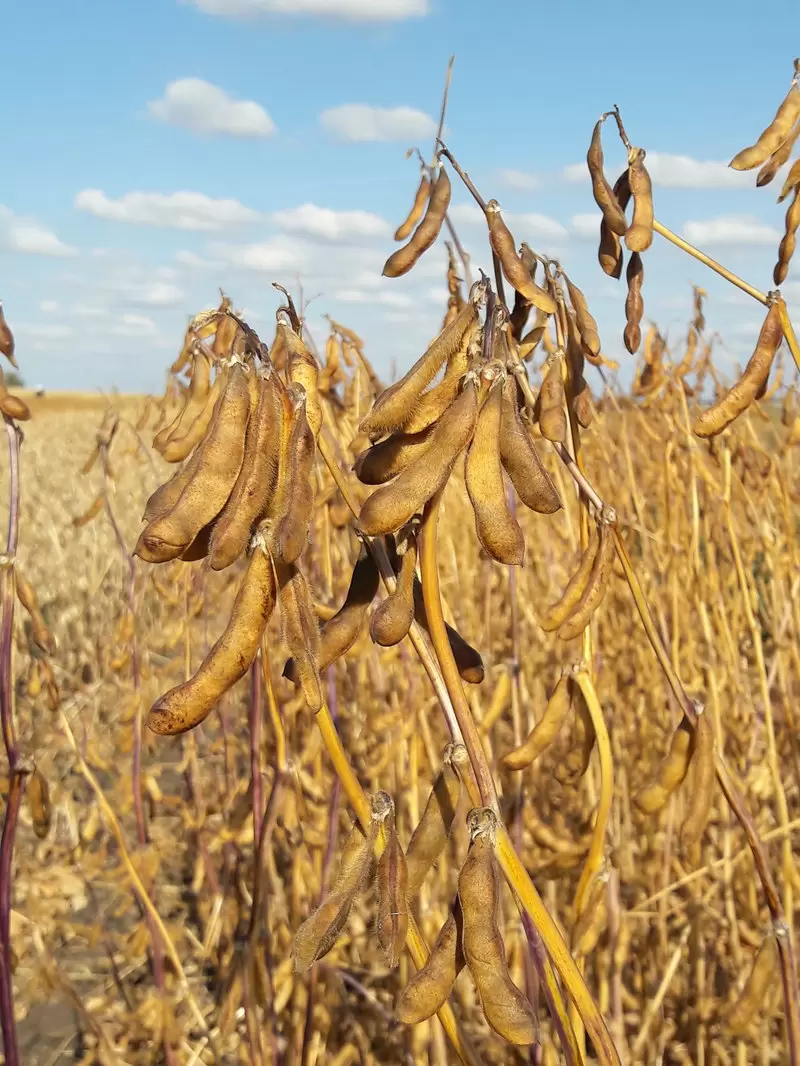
(679, 242)
(19, 767)
(512, 866)
(429, 572)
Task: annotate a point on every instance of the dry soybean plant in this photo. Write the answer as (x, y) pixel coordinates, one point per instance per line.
(591, 817)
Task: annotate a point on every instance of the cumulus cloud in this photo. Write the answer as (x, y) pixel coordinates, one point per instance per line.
(730, 229)
(178, 210)
(308, 220)
(678, 172)
(204, 108)
(153, 293)
(353, 10)
(354, 123)
(275, 254)
(518, 179)
(541, 227)
(21, 234)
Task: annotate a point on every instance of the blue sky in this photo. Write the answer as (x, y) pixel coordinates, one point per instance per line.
(154, 151)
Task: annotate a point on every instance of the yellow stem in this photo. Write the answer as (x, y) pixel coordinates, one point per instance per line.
(679, 242)
(595, 857)
(415, 942)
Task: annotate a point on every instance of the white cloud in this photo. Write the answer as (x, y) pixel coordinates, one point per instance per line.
(360, 122)
(308, 220)
(48, 307)
(20, 234)
(201, 107)
(193, 260)
(518, 179)
(678, 172)
(468, 214)
(273, 255)
(178, 210)
(153, 293)
(540, 226)
(87, 311)
(586, 225)
(355, 10)
(42, 331)
(730, 229)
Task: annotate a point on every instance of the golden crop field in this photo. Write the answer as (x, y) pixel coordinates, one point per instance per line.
(454, 721)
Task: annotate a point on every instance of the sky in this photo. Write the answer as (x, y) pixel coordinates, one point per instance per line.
(156, 151)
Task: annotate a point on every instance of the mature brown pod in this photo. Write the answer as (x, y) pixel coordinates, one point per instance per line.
(430, 837)
(574, 591)
(340, 632)
(178, 447)
(497, 528)
(671, 772)
(14, 407)
(294, 499)
(546, 729)
(320, 931)
(773, 136)
(434, 402)
(93, 511)
(392, 505)
(594, 593)
(226, 328)
(7, 339)
(792, 181)
(587, 326)
(604, 195)
(167, 495)
(701, 798)
(789, 240)
(550, 403)
(211, 480)
(195, 401)
(764, 973)
(392, 618)
(514, 269)
(592, 920)
(391, 921)
(258, 476)
(300, 630)
(777, 159)
(743, 393)
(385, 460)
(303, 370)
(40, 631)
(428, 989)
(639, 236)
(38, 795)
(506, 1009)
(415, 214)
(520, 458)
(401, 261)
(186, 705)
(609, 252)
(395, 405)
(634, 305)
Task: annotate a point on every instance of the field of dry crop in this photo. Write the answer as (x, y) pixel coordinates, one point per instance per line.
(501, 665)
